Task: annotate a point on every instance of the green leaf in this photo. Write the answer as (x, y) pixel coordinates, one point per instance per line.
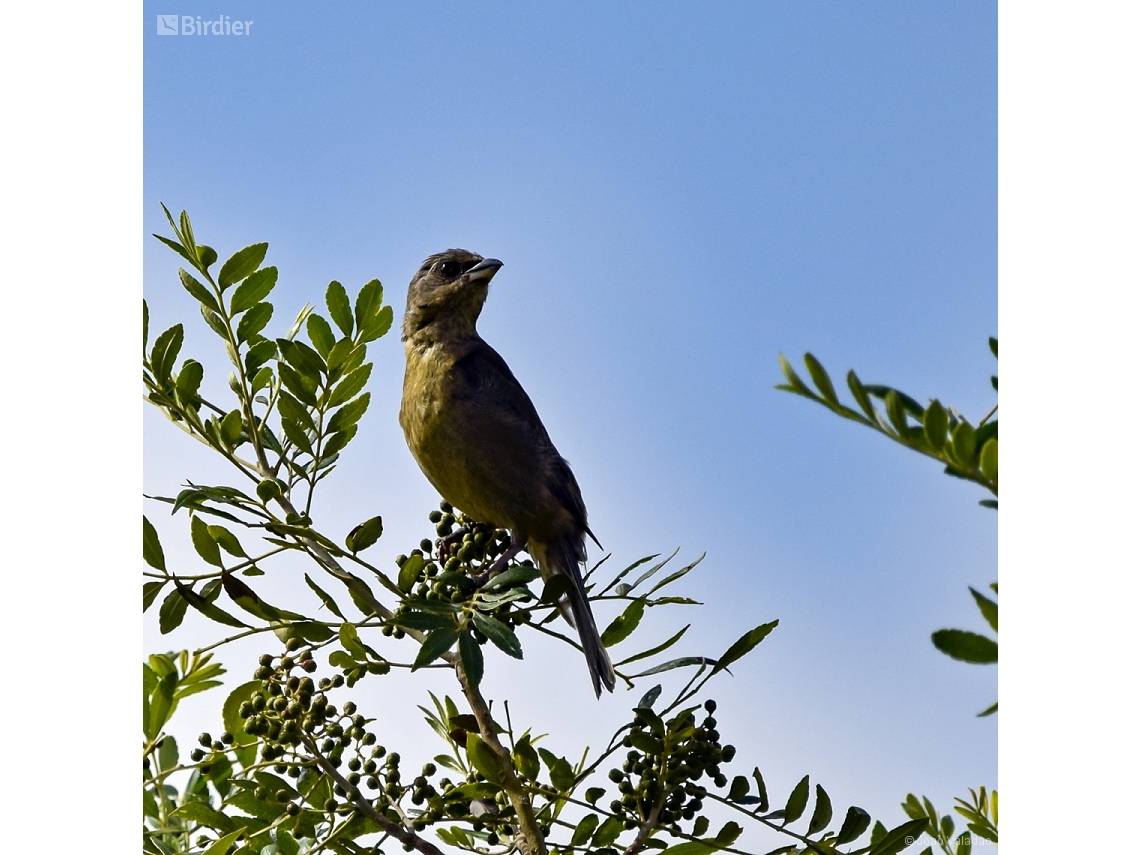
(761, 790)
(349, 414)
(152, 548)
(694, 847)
(900, 837)
(258, 355)
(966, 646)
(607, 833)
(320, 334)
(189, 379)
(584, 829)
(168, 753)
(204, 543)
(197, 290)
(207, 255)
(339, 309)
(739, 788)
(296, 434)
(423, 621)
(728, 834)
(215, 322)
(935, 423)
(150, 591)
(988, 460)
(409, 572)
(211, 611)
(821, 816)
(646, 743)
(177, 247)
(230, 428)
(472, 658)
(895, 412)
(624, 624)
(378, 326)
(820, 378)
(988, 608)
(146, 324)
(912, 807)
(227, 540)
(501, 635)
(555, 588)
(307, 361)
(964, 444)
(241, 264)
(990, 710)
(993, 346)
(350, 385)
(673, 577)
(795, 384)
(222, 845)
(480, 755)
(854, 824)
(364, 535)
(860, 394)
(254, 321)
(164, 352)
(337, 441)
(743, 645)
(520, 574)
(683, 662)
(797, 802)
(437, 643)
(246, 598)
(171, 612)
(368, 302)
(561, 774)
(328, 601)
(200, 813)
(292, 409)
(253, 290)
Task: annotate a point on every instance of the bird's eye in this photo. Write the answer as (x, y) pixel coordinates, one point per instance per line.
(448, 269)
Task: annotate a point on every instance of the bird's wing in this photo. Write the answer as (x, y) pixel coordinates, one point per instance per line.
(493, 397)
(487, 379)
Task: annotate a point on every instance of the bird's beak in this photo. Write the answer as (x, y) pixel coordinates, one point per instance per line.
(484, 270)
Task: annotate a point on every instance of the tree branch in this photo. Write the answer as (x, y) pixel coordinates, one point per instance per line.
(530, 835)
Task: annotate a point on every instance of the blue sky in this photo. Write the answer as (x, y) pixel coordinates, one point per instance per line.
(678, 196)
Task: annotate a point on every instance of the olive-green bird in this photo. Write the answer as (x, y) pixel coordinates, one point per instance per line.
(478, 438)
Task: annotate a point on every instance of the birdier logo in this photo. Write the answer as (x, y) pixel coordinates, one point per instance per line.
(193, 25)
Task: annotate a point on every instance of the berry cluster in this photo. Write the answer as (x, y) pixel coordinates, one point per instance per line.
(663, 765)
(447, 570)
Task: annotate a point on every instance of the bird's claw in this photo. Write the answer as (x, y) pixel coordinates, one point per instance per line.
(498, 567)
(444, 544)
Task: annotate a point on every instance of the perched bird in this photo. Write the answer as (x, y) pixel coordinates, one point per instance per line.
(478, 438)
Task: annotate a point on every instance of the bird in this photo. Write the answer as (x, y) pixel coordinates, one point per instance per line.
(478, 438)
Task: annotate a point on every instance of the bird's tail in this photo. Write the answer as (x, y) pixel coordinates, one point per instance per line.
(562, 557)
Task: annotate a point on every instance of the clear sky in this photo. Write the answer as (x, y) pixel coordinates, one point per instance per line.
(678, 193)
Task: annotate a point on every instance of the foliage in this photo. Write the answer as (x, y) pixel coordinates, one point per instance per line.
(981, 813)
(970, 452)
(300, 767)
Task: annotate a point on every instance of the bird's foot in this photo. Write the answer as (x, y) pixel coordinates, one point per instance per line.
(499, 566)
(444, 545)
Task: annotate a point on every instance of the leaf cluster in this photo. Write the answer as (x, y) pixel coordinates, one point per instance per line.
(968, 451)
(980, 812)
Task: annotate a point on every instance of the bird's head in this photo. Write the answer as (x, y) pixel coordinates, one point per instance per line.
(448, 292)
